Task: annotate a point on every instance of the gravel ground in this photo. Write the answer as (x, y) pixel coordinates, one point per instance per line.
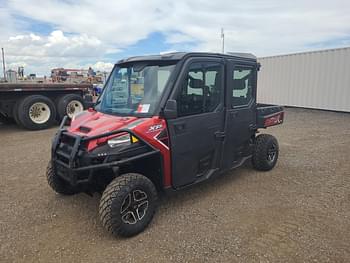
(298, 212)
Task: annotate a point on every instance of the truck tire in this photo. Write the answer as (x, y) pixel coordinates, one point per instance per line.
(128, 204)
(15, 113)
(57, 183)
(36, 112)
(265, 153)
(69, 104)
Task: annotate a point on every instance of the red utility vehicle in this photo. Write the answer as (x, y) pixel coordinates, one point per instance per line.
(163, 123)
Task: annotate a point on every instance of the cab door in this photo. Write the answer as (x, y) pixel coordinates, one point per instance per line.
(196, 135)
(241, 111)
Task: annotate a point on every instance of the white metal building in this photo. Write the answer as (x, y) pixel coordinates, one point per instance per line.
(317, 79)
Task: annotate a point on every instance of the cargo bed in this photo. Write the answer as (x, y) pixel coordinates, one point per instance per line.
(269, 115)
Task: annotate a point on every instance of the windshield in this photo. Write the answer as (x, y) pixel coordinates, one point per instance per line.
(134, 89)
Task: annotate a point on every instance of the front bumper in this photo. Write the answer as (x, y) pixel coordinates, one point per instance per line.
(75, 165)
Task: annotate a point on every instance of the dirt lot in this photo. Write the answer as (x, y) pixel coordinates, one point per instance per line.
(299, 212)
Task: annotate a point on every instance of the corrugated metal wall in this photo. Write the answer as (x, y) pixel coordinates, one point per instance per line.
(319, 79)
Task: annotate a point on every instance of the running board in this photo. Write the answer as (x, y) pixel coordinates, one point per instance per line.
(213, 173)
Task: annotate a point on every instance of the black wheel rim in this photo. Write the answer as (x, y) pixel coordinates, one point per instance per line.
(134, 207)
(272, 153)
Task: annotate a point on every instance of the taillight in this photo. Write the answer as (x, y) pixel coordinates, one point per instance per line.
(274, 120)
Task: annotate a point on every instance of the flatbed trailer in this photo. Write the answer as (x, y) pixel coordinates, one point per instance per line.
(37, 106)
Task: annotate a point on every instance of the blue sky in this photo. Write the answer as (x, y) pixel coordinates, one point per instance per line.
(154, 43)
(41, 35)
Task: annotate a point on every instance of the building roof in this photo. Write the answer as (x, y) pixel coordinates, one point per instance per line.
(307, 52)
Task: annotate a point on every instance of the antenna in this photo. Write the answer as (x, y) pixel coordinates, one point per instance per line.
(3, 63)
(223, 40)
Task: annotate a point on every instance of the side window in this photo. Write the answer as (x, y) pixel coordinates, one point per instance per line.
(242, 90)
(201, 89)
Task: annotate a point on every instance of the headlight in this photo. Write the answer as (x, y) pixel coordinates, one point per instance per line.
(123, 139)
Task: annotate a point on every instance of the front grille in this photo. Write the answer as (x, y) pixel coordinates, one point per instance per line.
(66, 139)
(61, 170)
(67, 154)
(65, 148)
(62, 154)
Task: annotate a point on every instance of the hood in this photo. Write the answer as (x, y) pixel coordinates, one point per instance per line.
(91, 123)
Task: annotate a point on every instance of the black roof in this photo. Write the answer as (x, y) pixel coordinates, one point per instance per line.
(180, 55)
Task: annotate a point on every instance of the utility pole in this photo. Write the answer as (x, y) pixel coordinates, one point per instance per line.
(105, 77)
(223, 40)
(3, 63)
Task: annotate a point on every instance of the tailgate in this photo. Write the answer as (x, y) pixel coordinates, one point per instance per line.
(269, 115)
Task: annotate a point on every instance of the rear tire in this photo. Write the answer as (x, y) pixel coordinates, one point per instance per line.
(69, 104)
(128, 204)
(57, 183)
(265, 153)
(35, 112)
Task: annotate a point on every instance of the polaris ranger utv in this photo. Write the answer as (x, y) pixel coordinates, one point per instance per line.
(163, 123)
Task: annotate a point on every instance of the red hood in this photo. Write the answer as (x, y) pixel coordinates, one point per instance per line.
(90, 123)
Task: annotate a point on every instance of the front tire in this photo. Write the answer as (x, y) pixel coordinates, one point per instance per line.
(265, 153)
(57, 183)
(128, 204)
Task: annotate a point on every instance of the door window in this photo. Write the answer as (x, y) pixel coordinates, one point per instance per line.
(242, 91)
(201, 89)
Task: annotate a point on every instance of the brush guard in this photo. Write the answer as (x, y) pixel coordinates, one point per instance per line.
(71, 169)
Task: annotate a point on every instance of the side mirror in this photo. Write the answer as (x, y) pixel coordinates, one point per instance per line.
(170, 110)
